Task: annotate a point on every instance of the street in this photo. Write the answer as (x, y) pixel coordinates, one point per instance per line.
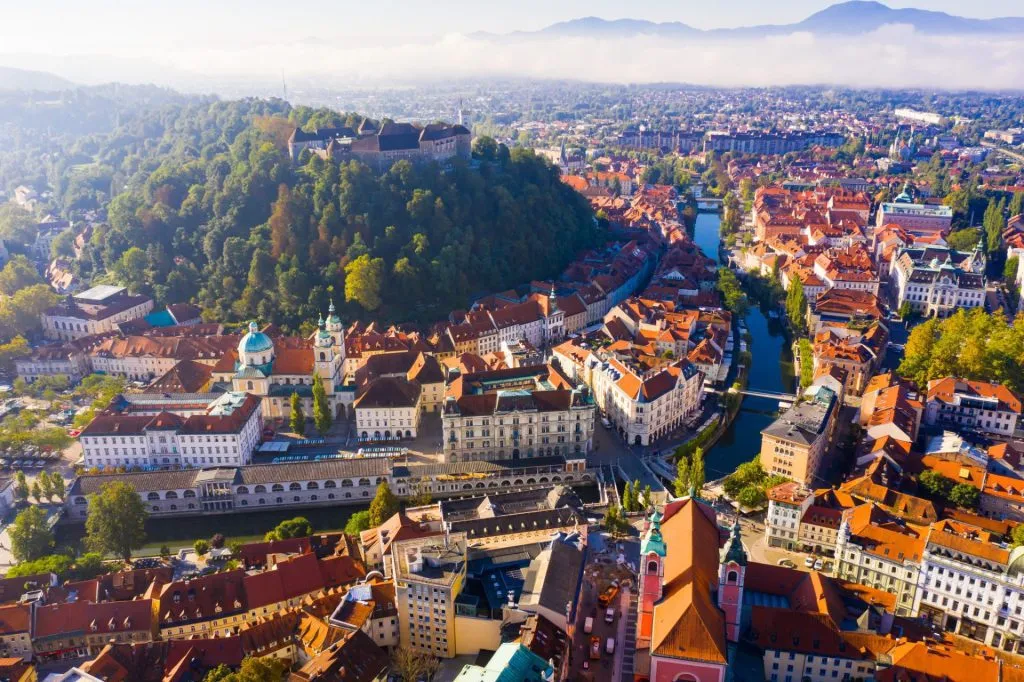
(603, 570)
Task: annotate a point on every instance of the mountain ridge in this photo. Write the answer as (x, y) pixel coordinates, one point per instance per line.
(846, 18)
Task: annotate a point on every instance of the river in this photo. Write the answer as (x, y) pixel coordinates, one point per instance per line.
(771, 370)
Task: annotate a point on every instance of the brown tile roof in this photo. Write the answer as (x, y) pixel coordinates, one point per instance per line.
(687, 623)
(187, 376)
(388, 392)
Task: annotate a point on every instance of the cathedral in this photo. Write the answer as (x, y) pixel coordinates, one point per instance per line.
(275, 368)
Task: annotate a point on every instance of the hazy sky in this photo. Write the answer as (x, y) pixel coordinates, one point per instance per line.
(211, 45)
(112, 26)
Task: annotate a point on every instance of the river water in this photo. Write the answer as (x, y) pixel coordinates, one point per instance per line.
(771, 370)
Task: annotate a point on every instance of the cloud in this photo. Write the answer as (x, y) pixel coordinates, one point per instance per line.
(894, 57)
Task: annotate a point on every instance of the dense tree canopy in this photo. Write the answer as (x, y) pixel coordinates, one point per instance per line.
(214, 211)
(969, 344)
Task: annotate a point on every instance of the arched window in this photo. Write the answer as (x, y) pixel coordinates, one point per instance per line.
(171, 495)
(346, 483)
(330, 484)
(156, 508)
(260, 489)
(153, 496)
(277, 488)
(81, 500)
(242, 490)
(189, 493)
(731, 577)
(652, 566)
(312, 485)
(364, 481)
(294, 486)
(248, 385)
(322, 356)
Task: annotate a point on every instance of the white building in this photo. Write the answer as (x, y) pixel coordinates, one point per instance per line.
(388, 408)
(963, 405)
(973, 586)
(95, 311)
(226, 433)
(936, 280)
(518, 413)
(786, 506)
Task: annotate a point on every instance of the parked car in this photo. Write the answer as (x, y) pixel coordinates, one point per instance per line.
(609, 645)
(809, 562)
(595, 647)
(786, 563)
(588, 625)
(818, 565)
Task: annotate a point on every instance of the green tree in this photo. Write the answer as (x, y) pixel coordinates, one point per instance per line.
(58, 564)
(88, 566)
(57, 482)
(201, 547)
(357, 523)
(806, 363)
(964, 495)
(116, 523)
(18, 274)
(964, 240)
(906, 310)
(21, 489)
(321, 408)
(16, 224)
(384, 505)
(1018, 535)
(935, 485)
(697, 475)
(131, 269)
(30, 536)
(363, 280)
(15, 349)
(45, 484)
(298, 527)
(648, 499)
(751, 497)
(627, 497)
(37, 491)
(993, 224)
(682, 483)
(1017, 204)
(1010, 272)
(265, 669)
(796, 305)
(296, 419)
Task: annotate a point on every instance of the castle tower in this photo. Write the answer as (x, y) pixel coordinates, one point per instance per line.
(337, 331)
(732, 569)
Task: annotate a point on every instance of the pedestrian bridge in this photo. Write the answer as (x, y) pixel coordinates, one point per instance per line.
(769, 394)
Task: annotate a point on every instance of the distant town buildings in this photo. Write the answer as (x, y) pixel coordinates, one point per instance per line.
(380, 147)
(95, 311)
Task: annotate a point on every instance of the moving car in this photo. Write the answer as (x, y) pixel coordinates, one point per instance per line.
(595, 647)
(609, 615)
(609, 645)
(588, 625)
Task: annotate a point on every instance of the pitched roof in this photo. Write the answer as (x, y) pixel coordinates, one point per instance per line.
(686, 622)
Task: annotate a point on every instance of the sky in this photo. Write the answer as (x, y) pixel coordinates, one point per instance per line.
(111, 26)
(199, 44)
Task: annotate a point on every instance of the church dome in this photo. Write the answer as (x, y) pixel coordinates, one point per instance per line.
(254, 341)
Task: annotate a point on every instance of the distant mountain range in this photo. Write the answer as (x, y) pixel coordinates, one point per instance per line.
(847, 18)
(24, 79)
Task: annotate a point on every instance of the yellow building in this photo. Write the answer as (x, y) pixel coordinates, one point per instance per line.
(429, 574)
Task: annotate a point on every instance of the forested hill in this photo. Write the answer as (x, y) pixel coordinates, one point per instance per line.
(214, 212)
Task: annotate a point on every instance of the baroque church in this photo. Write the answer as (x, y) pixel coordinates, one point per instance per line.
(276, 367)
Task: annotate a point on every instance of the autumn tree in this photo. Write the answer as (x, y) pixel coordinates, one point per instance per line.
(384, 505)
